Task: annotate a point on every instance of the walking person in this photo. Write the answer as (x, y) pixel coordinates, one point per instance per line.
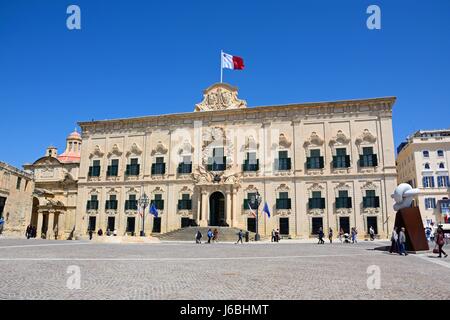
(341, 233)
(321, 235)
(210, 235)
(440, 241)
(402, 241)
(90, 234)
(372, 233)
(28, 232)
(277, 235)
(100, 232)
(330, 235)
(198, 237)
(394, 241)
(240, 236)
(273, 235)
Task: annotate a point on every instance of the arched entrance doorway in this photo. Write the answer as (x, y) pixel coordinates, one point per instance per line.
(217, 209)
(34, 212)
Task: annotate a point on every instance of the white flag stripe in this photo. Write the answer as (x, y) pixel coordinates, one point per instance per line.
(227, 61)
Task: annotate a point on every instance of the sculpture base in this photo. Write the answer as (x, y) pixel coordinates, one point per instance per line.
(411, 220)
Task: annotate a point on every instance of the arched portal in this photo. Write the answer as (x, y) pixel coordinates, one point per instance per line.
(217, 209)
(34, 212)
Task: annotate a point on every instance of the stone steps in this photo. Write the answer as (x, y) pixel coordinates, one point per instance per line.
(226, 234)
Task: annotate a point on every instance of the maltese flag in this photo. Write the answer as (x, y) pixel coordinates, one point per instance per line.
(232, 62)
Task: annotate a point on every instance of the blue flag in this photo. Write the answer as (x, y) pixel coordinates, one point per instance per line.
(266, 209)
(153, 210)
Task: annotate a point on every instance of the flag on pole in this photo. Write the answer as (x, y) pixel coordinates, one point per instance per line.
(266, 209)
(153, 210)
(232, 62)
(251, 210)
(140, 211)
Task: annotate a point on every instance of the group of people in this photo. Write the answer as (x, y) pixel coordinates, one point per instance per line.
(398, 241)
(100, 233)
(212, 235)
(275, 235)
(31, 232)
(343, 236)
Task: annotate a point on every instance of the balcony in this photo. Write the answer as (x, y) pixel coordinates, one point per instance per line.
(283, 164)
(159, 204)
(132, 170)
(316, 203)
(247, 166)
(112, 171)
(342, 203)
(111, 205)
(283, 204)
(371, 202)
(158, 168)
(314, 163)
(94, 171)
(340, 162)
(368, 160)
(214, 165)
(253, 205)
(92, 205)
(131, 204)
(184, 168)
(184, 204)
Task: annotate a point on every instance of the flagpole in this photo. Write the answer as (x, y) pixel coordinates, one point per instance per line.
(221, 66)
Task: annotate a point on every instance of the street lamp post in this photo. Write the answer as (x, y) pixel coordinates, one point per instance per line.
(143, 203)
(256, 201)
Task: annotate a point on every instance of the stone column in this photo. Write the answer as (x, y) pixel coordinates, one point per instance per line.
(199, 208)
(39, 224)
(204, 219)
(61, 226)
(234, 209)
(228, 207)
(51, 220)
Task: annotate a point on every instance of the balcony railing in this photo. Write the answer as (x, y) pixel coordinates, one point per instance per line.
(94, 171)
(314, 162)
(343, 203)
(371, 202)
(184, 204)
(368, 160)
(92, 205)
(131, 204)
(316, 203)
(159, 168)
(247, 166)
(184, 168)
(283, 203)
(159, 204)
(132, 170)
(253, 205)
(112, 171)
(283, 164)
(111, 205)
(341, 162)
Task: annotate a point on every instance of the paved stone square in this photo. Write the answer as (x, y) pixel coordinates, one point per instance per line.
(38, 269)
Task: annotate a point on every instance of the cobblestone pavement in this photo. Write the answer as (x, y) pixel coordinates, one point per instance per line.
(37, 269)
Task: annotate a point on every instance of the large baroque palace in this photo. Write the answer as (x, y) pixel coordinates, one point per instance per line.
(326, 164)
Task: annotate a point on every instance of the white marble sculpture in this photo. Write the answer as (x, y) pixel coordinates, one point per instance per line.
(403, 196)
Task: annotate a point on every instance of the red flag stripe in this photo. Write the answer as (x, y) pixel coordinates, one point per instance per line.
(238, 63)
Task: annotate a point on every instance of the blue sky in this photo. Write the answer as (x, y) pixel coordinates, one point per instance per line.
(136, 58)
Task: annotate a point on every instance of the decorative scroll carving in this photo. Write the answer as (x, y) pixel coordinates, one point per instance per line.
(220, 96)
(313, 141)
(216, 137)
(134, 150)
(339, 140)
(186, 148)
(366, 138)
(159, 149)
(283, 141)
(115, 151)
(97, 152)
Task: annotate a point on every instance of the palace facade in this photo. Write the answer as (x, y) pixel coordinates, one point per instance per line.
(326, 164)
